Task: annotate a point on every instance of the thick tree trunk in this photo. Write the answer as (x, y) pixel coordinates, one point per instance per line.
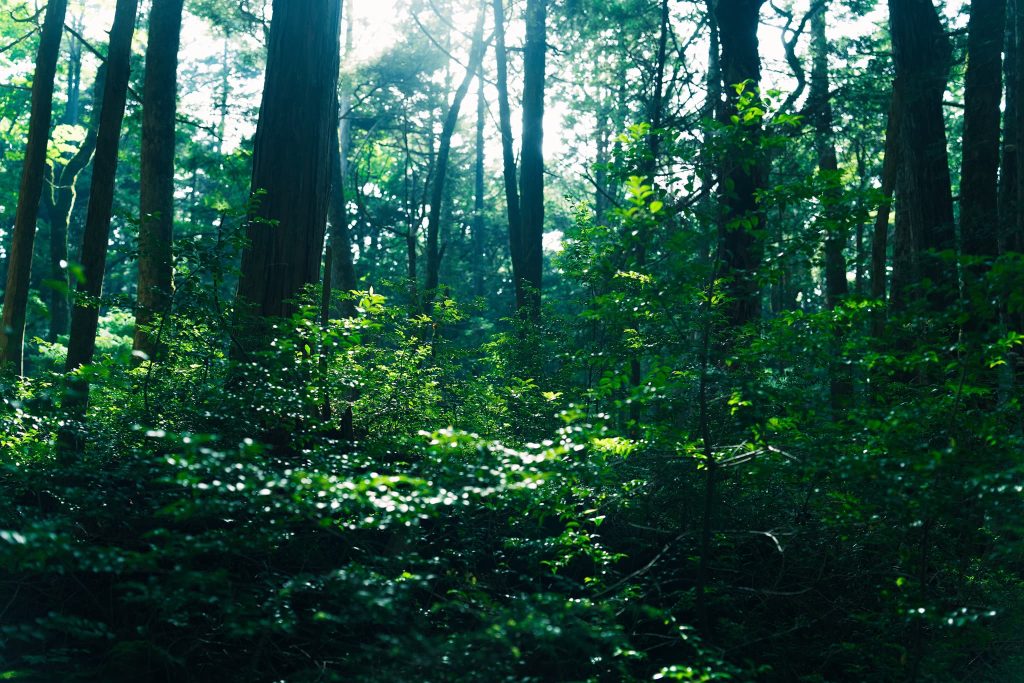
(742, 174)
(508, 156)
(156, 179)
(12, 329)
(531, 176)
(922, 53)
(86, 311)
(291, 157)
(979, 193)
(451, 119)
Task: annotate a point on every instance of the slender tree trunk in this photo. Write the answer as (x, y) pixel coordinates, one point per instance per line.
(478, 192)
(922, 54)
(880, 231)
(508, 156)
(156, 178)
(60, 202)
(1008, 170)
(742, 176)
(441, 169)
(86, 311)
(12, 328)
(341, 262)
(291, 157)
(531, 177)
(836, 287)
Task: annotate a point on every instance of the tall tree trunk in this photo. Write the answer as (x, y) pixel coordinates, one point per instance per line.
(86, 311)
(742, 176)
(60, 202)
(531, 176)
(19, 269)
(1008, 170)
(979, 192)
(509, 174)
(156, 178)
(922, 54)
(478, 191)
(836, 287)
(880, 232)
(341, 262)
(291, 157)
(451, 119)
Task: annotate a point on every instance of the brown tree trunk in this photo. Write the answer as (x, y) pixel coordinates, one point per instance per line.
(742, 175)
(531, 176)
(291, 157)
(156, 178)
(12, 329)
(86, 311)
(922, 54)
(508, 156)
(451, 119)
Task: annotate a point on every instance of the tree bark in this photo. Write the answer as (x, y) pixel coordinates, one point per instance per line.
(880, 232)
(509, 174)
(60, 202)
(86, 311)
(979, 193)
(922, 54)
(836, 286)
(742, 221)
(341, 262)
(441, 169)
(291, 157)
(12, 328)
(531, 177)
(1008, 170)
(156, 177)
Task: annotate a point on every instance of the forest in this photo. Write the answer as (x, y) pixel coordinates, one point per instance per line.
(511, 340)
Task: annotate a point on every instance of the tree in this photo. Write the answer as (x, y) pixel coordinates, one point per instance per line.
(291, 172)
(12, 328)
(509, 173)
(922, 53)
(443, 154)
(60, 202)
(156, 189)
(86, 311)
(741, 176)
(531, 176)
(979, 218)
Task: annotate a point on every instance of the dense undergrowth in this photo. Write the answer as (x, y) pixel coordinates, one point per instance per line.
(217, 526)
